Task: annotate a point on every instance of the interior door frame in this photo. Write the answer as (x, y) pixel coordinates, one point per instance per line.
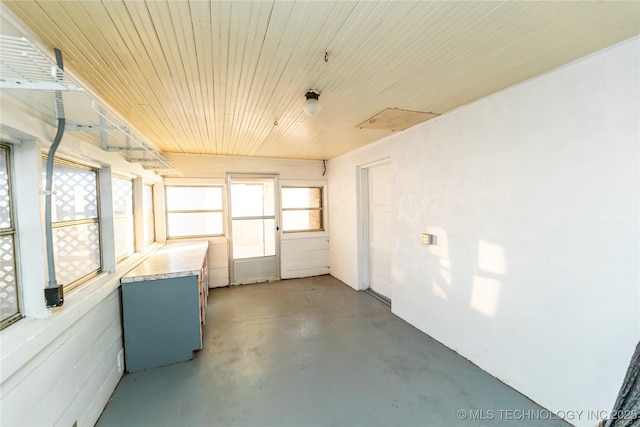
(230, 176)
(364, 239)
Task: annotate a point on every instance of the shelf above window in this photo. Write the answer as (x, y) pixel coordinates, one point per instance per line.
(32, 78)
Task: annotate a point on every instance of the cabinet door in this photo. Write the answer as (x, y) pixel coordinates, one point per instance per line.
(161, 321)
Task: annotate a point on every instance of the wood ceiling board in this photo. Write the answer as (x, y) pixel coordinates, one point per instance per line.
(179, 29)
(72, 56)
(161, 82)
(254, 46)
(455, 90)
(168, 49)
(213, 77)
(249, 133)
(295, 51)
(134, 63)
(202, 33)
(275, 57)
(220, 33)
(101, 56)
(325, 146)
(121, 81)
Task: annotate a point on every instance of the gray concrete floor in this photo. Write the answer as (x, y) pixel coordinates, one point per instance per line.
(314, 352)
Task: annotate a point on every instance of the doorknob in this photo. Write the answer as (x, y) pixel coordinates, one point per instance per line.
(277, 228)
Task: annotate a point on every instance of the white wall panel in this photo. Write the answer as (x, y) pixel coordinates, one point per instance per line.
(304, 257)
(59, 383)
(534, 195)
(202, 166)
(218, 262)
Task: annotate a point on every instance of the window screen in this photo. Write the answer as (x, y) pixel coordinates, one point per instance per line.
(9, 292)
(194, 211)
(76, 231)
(302, 209)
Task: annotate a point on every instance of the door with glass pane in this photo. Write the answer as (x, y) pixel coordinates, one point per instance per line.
(254, 228)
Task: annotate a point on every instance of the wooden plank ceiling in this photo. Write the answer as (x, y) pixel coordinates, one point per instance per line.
(229, 77)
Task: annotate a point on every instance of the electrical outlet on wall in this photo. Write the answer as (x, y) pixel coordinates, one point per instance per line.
(428, 239)
(121, 361)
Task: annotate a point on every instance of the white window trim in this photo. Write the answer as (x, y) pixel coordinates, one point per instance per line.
(189, 183)
(116, 175)
(80, 281)
(14, 233)
(30, 138)
(325, 209)
(139, 210)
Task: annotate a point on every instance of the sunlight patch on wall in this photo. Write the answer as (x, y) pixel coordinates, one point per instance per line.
(446, 275)
(438, 290)
(441, 249)
(491, 257)
(485, 295)
(443, 281)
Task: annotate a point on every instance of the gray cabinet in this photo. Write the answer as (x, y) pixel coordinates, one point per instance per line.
(163, 306)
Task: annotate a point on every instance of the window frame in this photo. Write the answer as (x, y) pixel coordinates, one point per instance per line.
(151, 214)
(130, 216)
(320, 208)
(75, 222)
(178, 211)
(13, 232)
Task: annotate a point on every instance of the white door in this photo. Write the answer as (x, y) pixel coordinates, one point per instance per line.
(254, 228)
(379, 186)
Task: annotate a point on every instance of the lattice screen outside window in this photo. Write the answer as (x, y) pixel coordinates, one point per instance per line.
(9, 292)
(76, 231)
(123, 216)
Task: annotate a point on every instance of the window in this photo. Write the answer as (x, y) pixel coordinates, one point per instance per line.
(149, 218)
(76, 231)
(194, 211)
(122, 189)
(302, 209)
(9, 295)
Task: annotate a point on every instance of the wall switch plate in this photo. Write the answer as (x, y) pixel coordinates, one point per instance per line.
(428, 239)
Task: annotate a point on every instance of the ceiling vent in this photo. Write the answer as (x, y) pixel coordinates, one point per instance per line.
(395, 119)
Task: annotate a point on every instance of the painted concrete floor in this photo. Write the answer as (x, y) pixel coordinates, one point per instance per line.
(314, 352)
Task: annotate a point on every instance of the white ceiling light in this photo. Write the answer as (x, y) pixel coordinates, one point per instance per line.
(311, 106)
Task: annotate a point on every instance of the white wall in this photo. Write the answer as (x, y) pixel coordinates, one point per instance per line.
(304, 257)
(301, 254)
(533, 193)
(205, 166)
(63, 369)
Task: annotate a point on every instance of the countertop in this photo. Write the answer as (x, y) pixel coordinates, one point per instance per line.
(178, 259)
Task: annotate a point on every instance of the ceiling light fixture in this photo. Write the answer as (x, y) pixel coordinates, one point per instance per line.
(311, 106)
